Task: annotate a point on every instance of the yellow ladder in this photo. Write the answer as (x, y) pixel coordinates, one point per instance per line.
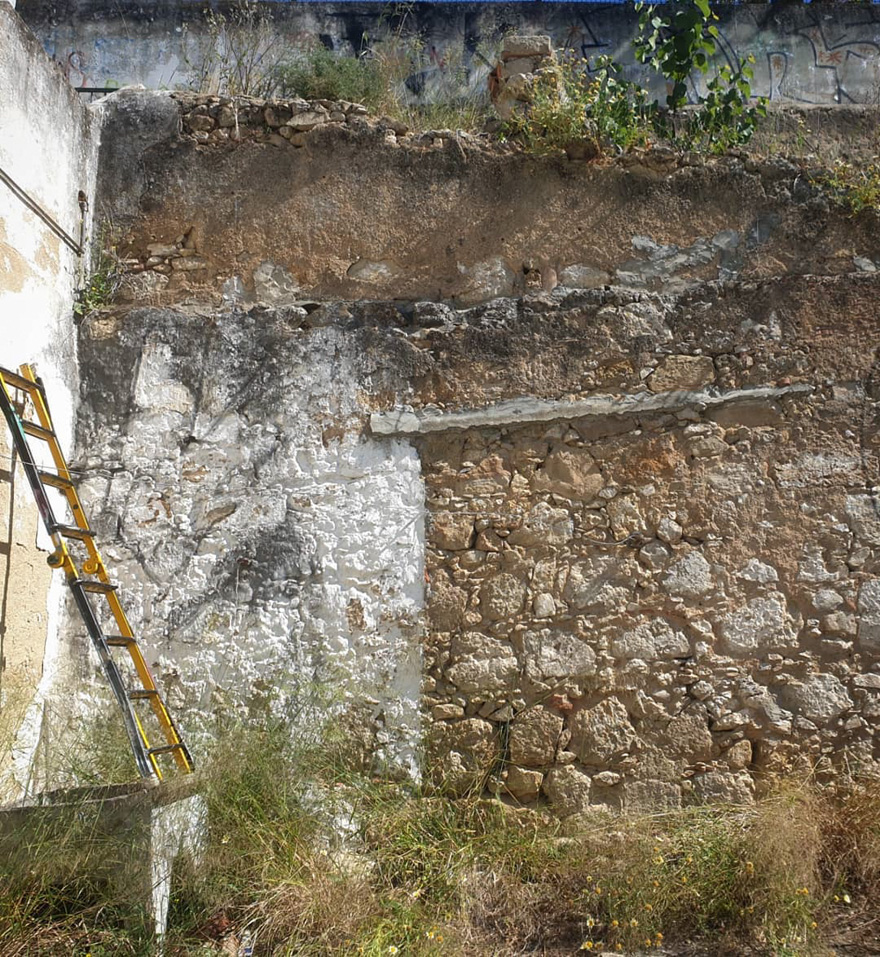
(94, 580)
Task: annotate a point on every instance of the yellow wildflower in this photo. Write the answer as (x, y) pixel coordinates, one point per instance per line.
(648, 907)
(615, 923)
(587, 945)
(633, 923)
(684, 880)
(590, 922)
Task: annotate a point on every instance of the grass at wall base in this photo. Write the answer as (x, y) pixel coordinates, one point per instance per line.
(311, 854)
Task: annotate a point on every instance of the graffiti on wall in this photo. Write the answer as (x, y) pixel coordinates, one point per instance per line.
(813, 54)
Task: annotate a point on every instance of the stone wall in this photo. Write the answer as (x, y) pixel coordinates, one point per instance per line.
(644, 442)
(806, 54)
(49, 150)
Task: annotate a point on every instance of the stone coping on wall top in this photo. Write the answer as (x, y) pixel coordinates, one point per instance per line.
(526, 410)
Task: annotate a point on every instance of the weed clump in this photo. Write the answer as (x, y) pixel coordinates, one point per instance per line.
(855, 187)
(590, 100)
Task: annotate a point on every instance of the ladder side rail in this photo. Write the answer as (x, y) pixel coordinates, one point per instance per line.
(44, 417)
(139, 744)
(31, 470)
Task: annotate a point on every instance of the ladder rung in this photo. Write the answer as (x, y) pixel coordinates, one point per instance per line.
(74, 531)
(95, 586)
(119, 641)
(19, 382)
(37, 431)
(56, 481)
(165, 749)
(137, 695)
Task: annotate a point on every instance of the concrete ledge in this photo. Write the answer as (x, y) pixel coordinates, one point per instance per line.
(525, 410)
(128, 835)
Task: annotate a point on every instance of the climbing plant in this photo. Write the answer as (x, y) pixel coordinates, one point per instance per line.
(592, 99)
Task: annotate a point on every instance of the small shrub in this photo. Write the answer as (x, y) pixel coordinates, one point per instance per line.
(104, 278)
(590, 101)
(857, 188)
(241, 55)
(323, 74)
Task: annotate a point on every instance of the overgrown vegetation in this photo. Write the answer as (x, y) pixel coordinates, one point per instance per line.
(856, 187)
(103, 279)
(243, 54)
(309, 854)
(582, 99)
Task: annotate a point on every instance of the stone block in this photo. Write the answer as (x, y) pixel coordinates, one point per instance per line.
(764, 624)
(544, 525)
(819, 698)
(462, 754)
(452, 531)
(526, 46)
(534, 735)
(682, 374)
(568, 789)
(524, 784)
(601, 734)
(720, 787)
(869, 616)
(502, 597)
(690, 577)
(483, 664)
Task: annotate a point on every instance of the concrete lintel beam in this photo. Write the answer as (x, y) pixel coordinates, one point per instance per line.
(511, 412)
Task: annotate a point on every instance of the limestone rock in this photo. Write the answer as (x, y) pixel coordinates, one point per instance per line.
(682, 374)
(482, 664)
(453, 531)
(739, 755)
(690, 577)
(488, 477)
(650, 640)
(544, 605)
(365, 270)
(719, 787)
(502, 597)
(524, 784)
(669, 531)
(869, 616)
(568, 789)
(516, 46)
(273, 284)
(463, 753)
(601, 733)
(552, 655)
(756, 571)
(582, 276)
(861, 513)
(570, 472)
(544, 525)
(447, 603)
(689, 737)
(303, 122)
(594, 586)
(764, 624)
(820, 698)
(534, 736)
(491, 279)
(651, 795)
